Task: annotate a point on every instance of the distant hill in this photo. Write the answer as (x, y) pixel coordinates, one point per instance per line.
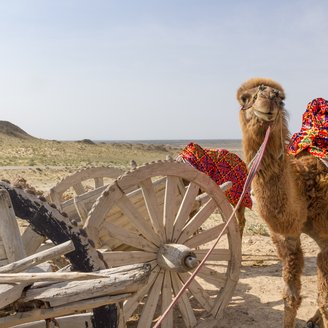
(13, 130)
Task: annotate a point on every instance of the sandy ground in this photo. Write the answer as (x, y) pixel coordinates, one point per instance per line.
(257, 301)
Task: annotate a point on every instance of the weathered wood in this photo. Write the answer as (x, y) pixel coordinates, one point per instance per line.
(9, 230)
(31, 240)
(205, 236)
(137, 219)
(149, 308)
(166, 300)
(39, 314)
(155, 215)
(170, 206)
(30, 278)
(128, 237)
(184, 305)
(198, 291)
(70, 321)
(58, 294)
(185, 209)
(119, 258)
(197, 220)
(35, 259)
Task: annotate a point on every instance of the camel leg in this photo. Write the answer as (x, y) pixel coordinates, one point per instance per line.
(322, 268)
(240, 214)
(290, 252)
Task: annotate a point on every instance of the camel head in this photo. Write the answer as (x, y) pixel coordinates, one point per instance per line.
(261, 100)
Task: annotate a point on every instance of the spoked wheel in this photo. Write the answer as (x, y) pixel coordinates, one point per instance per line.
(170, 220)
(67, 193)
(50, 223)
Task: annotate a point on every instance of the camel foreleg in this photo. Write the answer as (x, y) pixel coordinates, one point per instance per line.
(290, 252)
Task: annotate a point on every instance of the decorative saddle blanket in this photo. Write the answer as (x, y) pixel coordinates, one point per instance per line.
(313, 136)
(222, 166)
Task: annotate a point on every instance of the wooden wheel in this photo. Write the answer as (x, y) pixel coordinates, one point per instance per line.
(76, 193)
(170, 220)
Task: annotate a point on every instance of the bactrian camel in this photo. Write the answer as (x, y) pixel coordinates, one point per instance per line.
(291, 193)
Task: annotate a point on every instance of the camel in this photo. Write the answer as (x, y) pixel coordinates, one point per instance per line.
(291, 193)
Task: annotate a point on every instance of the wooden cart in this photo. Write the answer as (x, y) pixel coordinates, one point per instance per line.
(164, 215)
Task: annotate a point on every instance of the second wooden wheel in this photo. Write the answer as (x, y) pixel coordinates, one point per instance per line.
(170, 220)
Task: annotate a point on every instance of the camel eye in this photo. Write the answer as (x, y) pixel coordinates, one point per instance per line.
(262, 87)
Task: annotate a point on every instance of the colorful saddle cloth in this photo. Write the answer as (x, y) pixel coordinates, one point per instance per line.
(313, 136)
(222, 166)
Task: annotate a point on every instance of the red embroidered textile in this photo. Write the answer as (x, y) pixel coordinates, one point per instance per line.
(222, 166)
(313, 136)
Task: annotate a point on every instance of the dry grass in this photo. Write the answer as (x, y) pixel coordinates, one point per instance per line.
(37, 152)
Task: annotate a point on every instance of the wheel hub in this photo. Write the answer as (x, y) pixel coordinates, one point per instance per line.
(176, 257)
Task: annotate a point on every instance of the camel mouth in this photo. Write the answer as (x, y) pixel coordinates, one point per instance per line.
(269, 117)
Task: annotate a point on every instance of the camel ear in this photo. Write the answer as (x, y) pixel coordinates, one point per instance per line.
(244, 98)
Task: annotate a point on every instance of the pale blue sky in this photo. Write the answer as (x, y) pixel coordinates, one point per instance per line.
(150, 69)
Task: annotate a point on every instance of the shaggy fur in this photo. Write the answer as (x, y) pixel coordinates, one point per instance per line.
(291, 193)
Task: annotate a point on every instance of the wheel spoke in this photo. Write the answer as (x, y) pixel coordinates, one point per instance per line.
(218, 254)
(152, 207)
(185, 209)
(149, 308)
(132, 302)
(197, 220)
(170, 205)
(128, 237)
(166, 300)
(137, 219)
(99, 182)
(78, 188)
(204, 236)
(118, 258)
(198, 292)
(213, 277)
(185, 308)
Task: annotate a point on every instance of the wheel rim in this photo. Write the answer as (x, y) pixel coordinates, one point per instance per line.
(162, 220)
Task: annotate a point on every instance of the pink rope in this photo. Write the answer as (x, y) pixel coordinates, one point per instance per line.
(254, 168)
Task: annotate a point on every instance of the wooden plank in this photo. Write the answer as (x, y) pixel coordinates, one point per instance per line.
(31, 240)
(149, 307)
(35, 259)
(184, 305)
(166, 300)
(9, 230)
(65, 309)
(76, 320)
(205, 236)
(197, 220)
(138, 220)
(198, 291)
(128, 237)
(82, 210)
(185, 209)
(152, 207)
(170, 206)
(66, 292)
(119, 258)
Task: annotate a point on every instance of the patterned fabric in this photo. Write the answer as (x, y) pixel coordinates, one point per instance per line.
(313, 136)
(222, 166)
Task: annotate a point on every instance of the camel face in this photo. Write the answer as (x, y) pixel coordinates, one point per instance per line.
(260, 100)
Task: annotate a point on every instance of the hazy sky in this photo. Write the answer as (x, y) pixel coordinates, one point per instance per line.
(154, 69)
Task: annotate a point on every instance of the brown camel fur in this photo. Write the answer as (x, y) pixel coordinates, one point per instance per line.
(291, 193)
